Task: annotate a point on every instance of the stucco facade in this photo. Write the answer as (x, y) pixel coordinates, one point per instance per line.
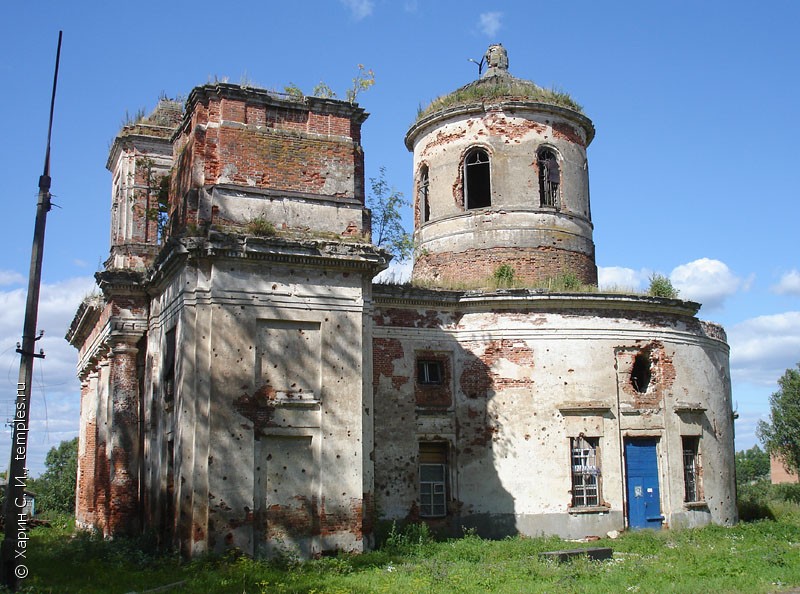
(246, 385)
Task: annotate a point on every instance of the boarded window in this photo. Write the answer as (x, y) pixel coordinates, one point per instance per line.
(422, 193)
(477, 179)
(549, 177)
(433, 479)
(691, 469)
(585, 472)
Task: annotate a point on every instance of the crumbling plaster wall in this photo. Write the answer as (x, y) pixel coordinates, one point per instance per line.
(268, 407)
(301, 162)
(538, 241)
(523, 383)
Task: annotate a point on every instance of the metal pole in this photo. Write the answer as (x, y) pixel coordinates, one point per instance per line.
(15, 542)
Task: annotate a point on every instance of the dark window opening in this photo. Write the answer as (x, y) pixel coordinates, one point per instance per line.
(433, 479)
(168, 373)
(691, 469)
(429, 372)
(585, 471)
(549, 178)
(424, 204)
(477, 184)
(641, 373)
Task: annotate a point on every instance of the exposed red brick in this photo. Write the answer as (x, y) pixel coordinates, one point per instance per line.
(531, 265)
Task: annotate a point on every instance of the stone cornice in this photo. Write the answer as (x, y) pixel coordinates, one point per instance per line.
(85, 320)
(121, 282)
(529, 299)
(314, 253)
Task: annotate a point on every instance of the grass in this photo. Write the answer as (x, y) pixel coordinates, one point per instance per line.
(500, 88)
(505, 277)
(759, 556)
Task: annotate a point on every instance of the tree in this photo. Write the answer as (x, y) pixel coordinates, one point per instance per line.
(781, 435)
(752, 465)
(55, 488)
(387, 222)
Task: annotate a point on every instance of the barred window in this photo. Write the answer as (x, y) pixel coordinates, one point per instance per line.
(585, 472)
(691, 469)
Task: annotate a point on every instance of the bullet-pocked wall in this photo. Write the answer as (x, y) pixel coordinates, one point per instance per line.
(531, 401)
(245, 385)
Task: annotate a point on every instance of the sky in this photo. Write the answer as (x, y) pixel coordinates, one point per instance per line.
(693, 171)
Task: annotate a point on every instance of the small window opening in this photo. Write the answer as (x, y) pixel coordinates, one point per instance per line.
(477, 185)
(641, 373)
(549, 178)
(424, 204)
(585, 472)
(168, 374)
(433, 479)
(691, 469)
(429, 372)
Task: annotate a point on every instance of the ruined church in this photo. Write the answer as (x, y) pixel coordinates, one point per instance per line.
(246, 384)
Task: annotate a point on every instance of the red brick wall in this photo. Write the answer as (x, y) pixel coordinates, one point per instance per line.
(473, 268)
(273, 144)
(778, 472)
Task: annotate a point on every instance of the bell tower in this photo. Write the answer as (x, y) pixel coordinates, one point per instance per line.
(501, 179)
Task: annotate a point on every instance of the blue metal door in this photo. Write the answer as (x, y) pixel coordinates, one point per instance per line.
(641, 470)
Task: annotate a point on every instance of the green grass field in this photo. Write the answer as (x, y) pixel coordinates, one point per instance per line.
(754, 556)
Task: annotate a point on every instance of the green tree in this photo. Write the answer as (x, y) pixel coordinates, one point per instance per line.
(781, 434)
(752, 465)
(387, 222)
(55, 488)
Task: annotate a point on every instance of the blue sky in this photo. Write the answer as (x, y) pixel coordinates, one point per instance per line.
(693, 170)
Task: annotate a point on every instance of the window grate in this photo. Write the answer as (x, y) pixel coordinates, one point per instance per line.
(585, 472)
(691, 469)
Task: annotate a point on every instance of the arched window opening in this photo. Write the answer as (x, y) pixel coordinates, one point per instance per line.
(477, 183)
(549, 178)
(641, 373)
(422, 194)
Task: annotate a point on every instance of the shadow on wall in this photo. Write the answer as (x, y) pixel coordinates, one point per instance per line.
(439, 439)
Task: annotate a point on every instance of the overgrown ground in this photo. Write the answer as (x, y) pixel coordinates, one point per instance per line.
(762, 555)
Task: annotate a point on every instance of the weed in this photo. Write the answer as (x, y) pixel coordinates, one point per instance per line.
(260, 227)
(503, 276)
(661, 286)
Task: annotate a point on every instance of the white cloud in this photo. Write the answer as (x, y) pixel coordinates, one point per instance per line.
(789, 284)
(619, 278)
(397, 273)
(360, 9)
(55, 394)
(10, 277)
(707, 281)
(490, 23)
(763, 348)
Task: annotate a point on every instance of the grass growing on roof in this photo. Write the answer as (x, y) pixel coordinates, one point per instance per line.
(500, 88)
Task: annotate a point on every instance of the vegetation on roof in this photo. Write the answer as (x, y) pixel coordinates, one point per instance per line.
(500, 87)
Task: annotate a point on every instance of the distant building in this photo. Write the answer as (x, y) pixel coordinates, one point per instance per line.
(778, 473)
(245, 384)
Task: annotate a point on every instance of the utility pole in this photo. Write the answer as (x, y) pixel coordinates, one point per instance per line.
(15, 543)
